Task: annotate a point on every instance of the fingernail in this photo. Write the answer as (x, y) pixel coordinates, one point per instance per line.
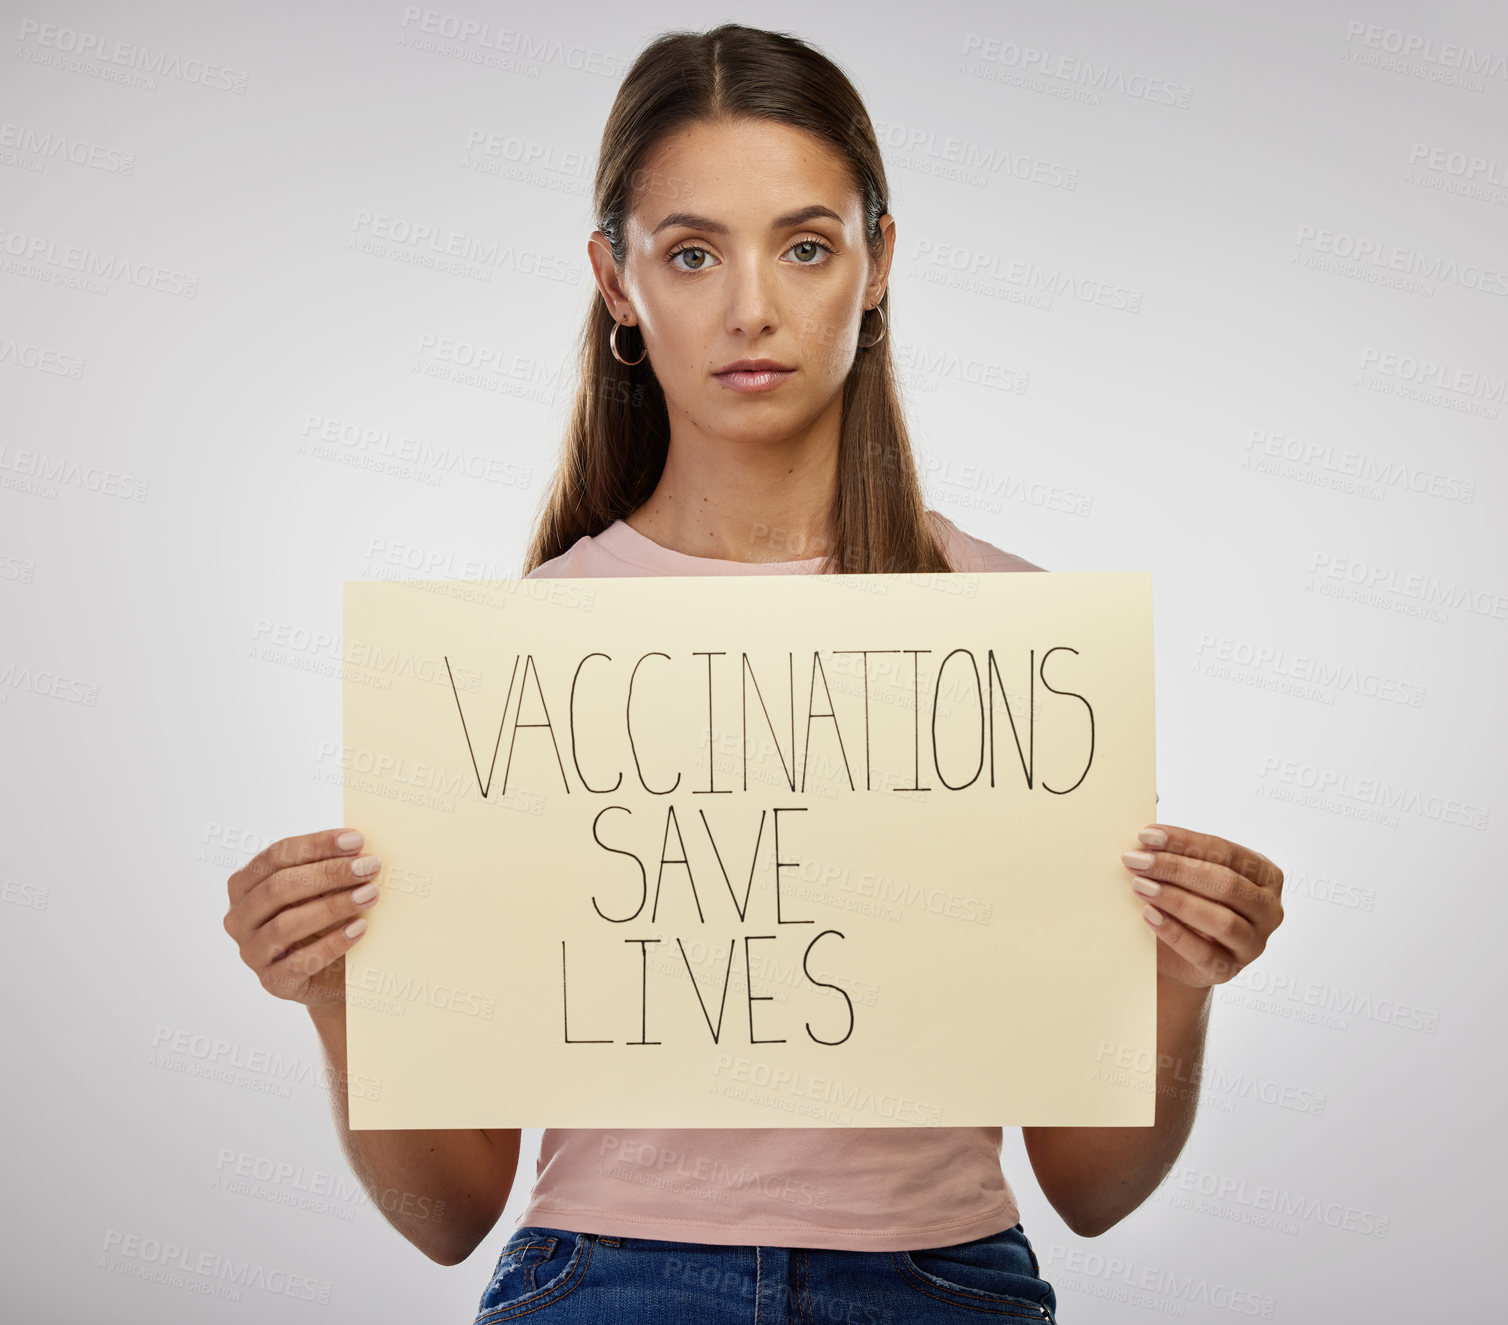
(1152, 914)
(1152, 837)
(1146, 887)
(1137, 860)
(369, 890)
(349, 840)
(364, 865)
(355, 927)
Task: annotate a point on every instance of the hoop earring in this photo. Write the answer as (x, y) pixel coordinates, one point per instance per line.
(612, 344)
(883, 328)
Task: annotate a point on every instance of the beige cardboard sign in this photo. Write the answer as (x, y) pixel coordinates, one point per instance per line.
(752, 851)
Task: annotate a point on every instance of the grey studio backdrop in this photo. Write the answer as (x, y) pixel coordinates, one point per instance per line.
(289, 296)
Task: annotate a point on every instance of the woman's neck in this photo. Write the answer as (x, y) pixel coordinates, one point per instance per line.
(744, 501)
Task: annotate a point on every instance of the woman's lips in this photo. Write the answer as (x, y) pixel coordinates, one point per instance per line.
(758, 379)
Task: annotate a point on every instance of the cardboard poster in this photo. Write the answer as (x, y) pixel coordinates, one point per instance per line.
(751, 851)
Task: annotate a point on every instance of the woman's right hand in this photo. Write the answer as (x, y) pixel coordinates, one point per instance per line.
(293, 908)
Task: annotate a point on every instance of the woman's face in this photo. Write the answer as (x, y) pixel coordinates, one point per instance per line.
(745, 242)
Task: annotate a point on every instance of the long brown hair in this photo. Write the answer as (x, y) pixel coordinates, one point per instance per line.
(619, 433)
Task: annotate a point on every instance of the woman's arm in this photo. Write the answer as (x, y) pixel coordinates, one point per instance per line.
(289, 914)
(1213, 905)
(443, 1189)
(1095, 1176)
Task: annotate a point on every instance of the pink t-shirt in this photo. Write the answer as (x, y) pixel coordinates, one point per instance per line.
(850, 1188)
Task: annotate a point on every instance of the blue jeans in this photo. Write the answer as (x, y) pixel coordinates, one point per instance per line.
(554, 1274)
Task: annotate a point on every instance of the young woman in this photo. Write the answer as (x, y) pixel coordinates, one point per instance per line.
(737, 414)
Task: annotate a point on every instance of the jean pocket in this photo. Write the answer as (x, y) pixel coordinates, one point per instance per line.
(996, 1274)
(536, 1266)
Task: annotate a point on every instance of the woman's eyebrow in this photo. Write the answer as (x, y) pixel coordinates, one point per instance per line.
(694, 222)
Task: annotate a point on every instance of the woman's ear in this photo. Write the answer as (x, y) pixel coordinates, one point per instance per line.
(609, 281)
(880, 271)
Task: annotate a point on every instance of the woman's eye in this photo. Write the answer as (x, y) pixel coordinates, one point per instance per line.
(701, 256)
(813, 247)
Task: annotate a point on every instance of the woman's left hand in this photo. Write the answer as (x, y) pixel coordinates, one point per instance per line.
(1213, 904)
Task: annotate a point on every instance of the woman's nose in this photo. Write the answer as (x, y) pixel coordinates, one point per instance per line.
(751, 301)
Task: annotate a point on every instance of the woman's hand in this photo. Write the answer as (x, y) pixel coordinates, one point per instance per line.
(1213, 904)
(295, 910)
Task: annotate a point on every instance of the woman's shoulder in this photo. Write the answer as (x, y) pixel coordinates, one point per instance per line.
(968, 553)
(592, 556)
(564, 566)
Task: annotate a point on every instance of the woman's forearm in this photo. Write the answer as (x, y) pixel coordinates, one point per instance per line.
(1095, 1176)
(442, 1189)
